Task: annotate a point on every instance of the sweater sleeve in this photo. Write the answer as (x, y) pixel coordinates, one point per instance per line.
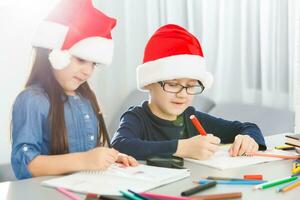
(129, 139)
(227, 130)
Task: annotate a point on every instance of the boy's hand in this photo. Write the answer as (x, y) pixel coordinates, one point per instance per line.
(126, 160)
(198, 147)
(243, 145)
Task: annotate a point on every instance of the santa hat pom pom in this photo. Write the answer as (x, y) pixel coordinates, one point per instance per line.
(59, 59)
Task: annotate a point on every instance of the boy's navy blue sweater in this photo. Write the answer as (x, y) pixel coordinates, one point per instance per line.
(142, 134)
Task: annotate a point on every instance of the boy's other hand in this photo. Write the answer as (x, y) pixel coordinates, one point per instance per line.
(243, 145)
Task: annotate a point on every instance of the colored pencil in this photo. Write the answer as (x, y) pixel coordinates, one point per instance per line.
(275, 182)
(234, 195)
(68, 193)
(223, 178)
(234, 182)
(289, 186)
(198, 188)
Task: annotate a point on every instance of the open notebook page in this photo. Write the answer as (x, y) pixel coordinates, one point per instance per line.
(222, 160)
(116, 178)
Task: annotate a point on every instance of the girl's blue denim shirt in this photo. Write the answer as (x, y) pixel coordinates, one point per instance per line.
(31, 133)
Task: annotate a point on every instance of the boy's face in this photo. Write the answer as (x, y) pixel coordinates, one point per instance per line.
(72, 76)
(167, 105)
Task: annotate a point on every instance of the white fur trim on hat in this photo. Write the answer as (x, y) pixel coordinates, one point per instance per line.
(173, 67)
(50, 35)
(59, 59)
(94, 49)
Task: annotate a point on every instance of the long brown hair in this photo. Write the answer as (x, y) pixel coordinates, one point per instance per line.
(41, 73)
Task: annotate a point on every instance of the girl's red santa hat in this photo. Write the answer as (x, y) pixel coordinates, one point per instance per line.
(172, 53)
(76, 28)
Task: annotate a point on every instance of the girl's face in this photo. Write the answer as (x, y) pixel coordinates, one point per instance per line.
(168, 105)
(72, 76)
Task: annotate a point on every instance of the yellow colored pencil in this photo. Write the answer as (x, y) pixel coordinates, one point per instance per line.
(285, 147)
(296, 170)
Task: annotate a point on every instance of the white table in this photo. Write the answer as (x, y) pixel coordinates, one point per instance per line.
(31, 188)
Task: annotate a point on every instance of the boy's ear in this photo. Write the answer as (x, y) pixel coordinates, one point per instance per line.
(149, 87)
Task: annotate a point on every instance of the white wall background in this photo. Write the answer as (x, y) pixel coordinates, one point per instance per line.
(249, 46)
(297, 70)
(18, 20)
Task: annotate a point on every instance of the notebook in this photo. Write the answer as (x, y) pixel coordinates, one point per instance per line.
(222, 160)
(116, 178)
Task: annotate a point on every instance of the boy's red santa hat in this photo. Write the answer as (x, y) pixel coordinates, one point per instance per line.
(172, 53)
(76, 28)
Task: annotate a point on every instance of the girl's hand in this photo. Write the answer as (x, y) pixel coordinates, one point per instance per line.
(126, 160)
(243, 145)
(198, 147)
(99, 158)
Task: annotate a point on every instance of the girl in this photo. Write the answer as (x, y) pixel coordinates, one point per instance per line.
(57, 125)
(173, 71)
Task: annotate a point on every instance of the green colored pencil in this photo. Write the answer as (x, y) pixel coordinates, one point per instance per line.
(275, 182)
(129, 196)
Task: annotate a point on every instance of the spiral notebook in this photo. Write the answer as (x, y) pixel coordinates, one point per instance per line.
(116, 178)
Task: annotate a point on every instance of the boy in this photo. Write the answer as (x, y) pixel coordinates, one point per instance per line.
(173, 71)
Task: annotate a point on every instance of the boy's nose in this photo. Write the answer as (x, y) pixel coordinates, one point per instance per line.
(182, 93)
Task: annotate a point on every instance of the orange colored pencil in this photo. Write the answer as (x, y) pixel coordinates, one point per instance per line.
(274, 155)
(290, 187)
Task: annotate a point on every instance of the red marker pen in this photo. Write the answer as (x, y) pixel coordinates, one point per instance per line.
(197, 125)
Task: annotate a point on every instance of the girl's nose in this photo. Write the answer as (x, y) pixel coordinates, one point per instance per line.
(88, 69)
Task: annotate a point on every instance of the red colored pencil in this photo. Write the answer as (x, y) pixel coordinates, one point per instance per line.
(253, 177)
(197, 125)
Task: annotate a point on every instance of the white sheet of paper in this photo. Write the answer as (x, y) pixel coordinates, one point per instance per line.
(222, 160)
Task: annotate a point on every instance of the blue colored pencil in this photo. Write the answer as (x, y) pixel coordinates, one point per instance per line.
(232, 182)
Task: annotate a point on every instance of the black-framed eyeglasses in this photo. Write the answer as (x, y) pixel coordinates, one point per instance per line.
(176, 88)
